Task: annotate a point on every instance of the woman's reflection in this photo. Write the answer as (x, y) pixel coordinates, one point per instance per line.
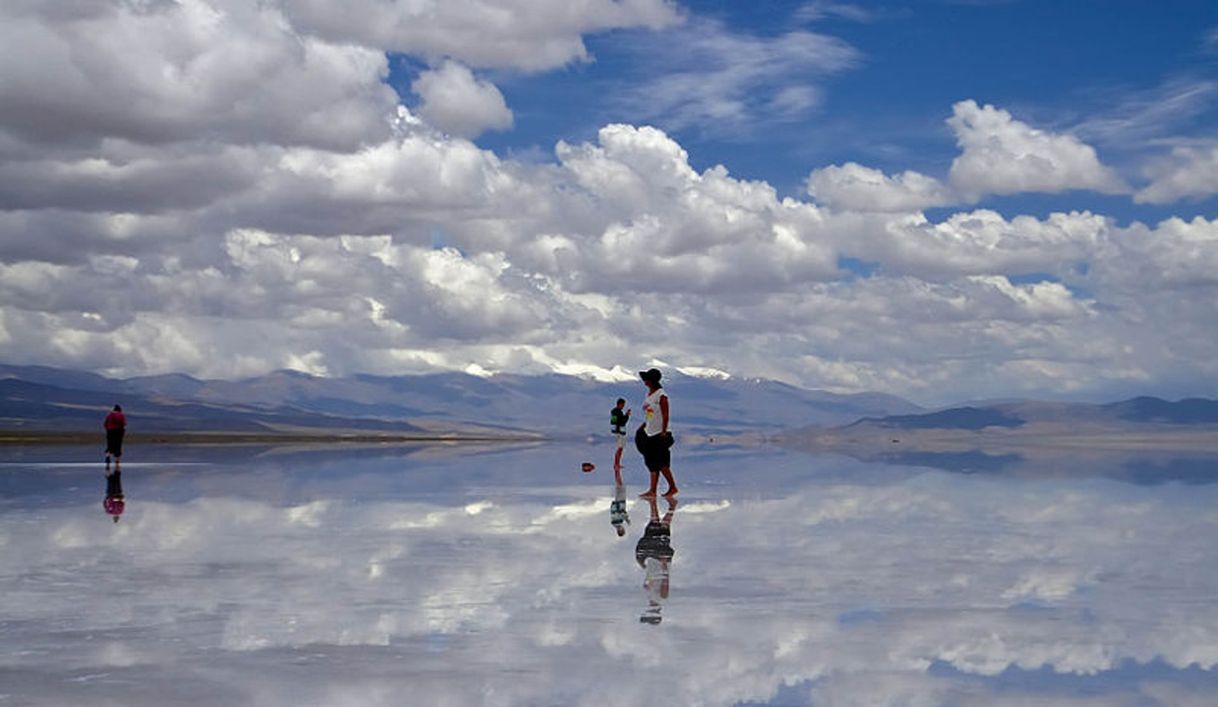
(654, 553)
(114, 503)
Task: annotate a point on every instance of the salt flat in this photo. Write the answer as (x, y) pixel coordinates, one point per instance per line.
(493, 576)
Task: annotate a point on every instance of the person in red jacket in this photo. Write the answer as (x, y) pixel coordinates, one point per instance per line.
(116, 427)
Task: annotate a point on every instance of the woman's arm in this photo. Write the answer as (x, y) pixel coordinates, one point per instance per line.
(664, 413)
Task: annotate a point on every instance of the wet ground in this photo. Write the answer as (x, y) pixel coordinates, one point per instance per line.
(494, 576)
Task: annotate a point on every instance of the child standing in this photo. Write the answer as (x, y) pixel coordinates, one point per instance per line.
(619, 417)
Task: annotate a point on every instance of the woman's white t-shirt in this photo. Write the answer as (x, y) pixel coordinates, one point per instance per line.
(651, 410)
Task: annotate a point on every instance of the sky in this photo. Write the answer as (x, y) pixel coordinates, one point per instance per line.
(944, 200)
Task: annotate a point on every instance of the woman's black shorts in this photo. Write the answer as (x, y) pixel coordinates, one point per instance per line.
(655, 450)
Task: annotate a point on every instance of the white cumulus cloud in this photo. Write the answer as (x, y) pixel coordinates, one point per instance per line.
(459, 103)
(1002, 155)
(530, 35)
(223, 70)
(853, 187)
(1190, 172)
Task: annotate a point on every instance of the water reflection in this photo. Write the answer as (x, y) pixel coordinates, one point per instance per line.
(965, 462)
(115, 502)
(1147, 468)
(654, 554)
(314, 579)
(619, 516)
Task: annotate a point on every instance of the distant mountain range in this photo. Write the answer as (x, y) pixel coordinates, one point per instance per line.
(43, 399)
(985, 436)
(37, 398)
(1142, 410)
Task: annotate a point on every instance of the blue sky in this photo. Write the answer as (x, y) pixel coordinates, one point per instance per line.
(1057, 65)
(941, 200)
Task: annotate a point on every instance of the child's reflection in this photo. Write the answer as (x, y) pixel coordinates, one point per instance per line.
(618, 516)
(654, 553)
(114, 503)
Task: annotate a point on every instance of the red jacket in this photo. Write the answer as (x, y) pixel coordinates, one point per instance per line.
(115, 421)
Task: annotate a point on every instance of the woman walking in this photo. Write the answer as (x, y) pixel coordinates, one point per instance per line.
(654, 438)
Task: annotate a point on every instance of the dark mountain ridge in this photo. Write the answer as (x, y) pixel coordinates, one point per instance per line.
(46, 408)
(553, 404)
(1144, 410)
(1189, 411)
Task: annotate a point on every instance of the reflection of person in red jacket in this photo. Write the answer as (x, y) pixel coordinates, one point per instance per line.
(116, 427)
(114, 503)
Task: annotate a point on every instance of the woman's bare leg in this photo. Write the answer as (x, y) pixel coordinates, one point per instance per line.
(651, 492)
(672, 484)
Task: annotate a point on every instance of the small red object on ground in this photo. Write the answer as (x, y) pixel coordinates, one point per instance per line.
(588, 466)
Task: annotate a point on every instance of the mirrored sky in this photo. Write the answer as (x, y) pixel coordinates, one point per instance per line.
(390, 577)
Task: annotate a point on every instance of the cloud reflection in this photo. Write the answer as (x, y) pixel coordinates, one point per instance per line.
(878, 586)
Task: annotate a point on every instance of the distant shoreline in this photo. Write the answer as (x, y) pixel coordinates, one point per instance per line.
(1038, 436)
(10, 437)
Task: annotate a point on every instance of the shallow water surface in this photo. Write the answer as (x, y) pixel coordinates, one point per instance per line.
(494, 576)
